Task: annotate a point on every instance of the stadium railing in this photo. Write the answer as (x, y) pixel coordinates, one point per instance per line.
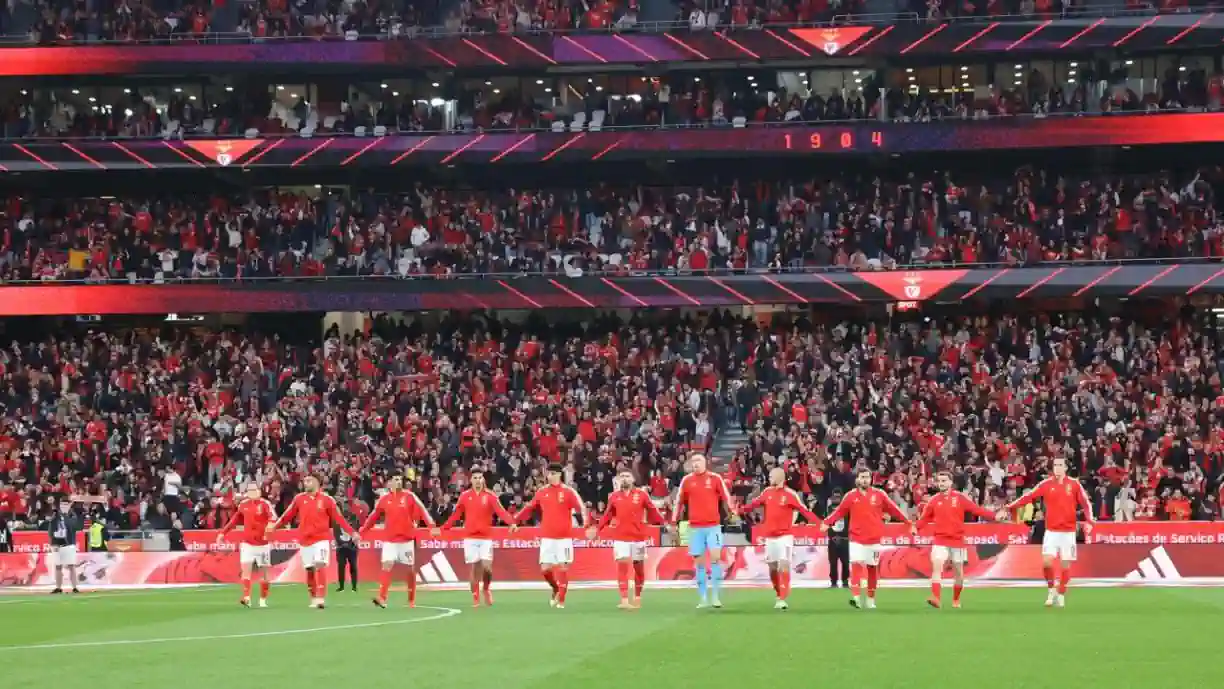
(1090, 12)
(670, 272)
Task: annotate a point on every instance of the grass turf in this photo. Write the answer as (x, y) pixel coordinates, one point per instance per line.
(1116, 638)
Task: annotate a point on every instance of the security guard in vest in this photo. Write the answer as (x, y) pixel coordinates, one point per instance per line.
(97, 536)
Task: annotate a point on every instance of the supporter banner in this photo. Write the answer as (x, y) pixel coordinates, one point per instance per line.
(445, 565)
(997, 562)
(705, 291)
(236, 53)
(1105, 533)
(624, 145)
(285, 539)
(39, 541)
(1114, 533)
(526, 537)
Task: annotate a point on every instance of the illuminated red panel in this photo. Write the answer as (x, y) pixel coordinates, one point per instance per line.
(913, 285)
(224, 151)
(833, 40)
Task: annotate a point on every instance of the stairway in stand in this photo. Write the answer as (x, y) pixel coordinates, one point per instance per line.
(725, 445)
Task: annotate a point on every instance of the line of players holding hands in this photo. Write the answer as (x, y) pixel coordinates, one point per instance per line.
(702, 496)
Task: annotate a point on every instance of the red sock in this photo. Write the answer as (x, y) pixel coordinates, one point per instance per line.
(956, 592)
(246, 588)
(487, 579)
(1048, 571)
(1064, 578)
(475, 586)
(873, 580)
(384, 584)
(639, 576)
(321, 585)
(263, 589)
(551, 578)
(785, 577)
(856, 577)
(936, 589)
(562, 584)
(622, 578)
(310, 582)
(412, 584)
(774, 578)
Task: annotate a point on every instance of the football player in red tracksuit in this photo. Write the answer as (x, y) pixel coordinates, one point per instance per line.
(402, 510)
(254, 553)
(557, 503)
(315, 512)
(476, 507)
(781, 504)
(866, 506)
(1060, 496)
(629, 511)
(947, 511)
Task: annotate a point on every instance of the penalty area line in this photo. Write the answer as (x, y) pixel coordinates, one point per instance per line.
(442, 614)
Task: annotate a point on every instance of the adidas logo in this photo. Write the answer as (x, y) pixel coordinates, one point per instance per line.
(1157, 566)
(437, 571)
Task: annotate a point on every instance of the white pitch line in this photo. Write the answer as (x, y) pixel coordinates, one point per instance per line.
(445, 613)
(48, 598)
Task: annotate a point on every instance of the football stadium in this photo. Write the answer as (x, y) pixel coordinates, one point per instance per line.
(616, 342)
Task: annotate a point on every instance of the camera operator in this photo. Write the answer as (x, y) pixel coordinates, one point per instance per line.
(62, 529)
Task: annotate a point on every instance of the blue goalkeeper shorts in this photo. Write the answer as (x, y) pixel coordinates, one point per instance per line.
(705, 538)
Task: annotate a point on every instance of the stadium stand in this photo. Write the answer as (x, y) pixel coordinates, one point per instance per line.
(164, 424)
(48, 23)
(847, 222)
(1134, 403)
(708, 100)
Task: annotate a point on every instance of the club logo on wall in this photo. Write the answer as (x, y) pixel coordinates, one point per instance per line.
(832, 41)
(913, 285)
(223, 152)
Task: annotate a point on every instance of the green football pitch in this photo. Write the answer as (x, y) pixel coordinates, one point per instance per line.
(1154, 638)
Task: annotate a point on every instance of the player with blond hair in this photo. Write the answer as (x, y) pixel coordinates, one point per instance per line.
(254, 513)
(629, 511)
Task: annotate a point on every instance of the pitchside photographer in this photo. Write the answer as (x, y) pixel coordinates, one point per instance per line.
(62, 529)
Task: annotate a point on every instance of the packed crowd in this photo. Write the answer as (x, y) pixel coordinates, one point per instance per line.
(132, 20)
(1134, 408)
(852, 223)
(46, 22)
(164, 429)
(126, 21)
(168, 428)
